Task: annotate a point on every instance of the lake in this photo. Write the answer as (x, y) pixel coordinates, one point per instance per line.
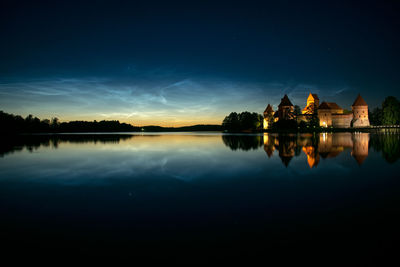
(202, 197)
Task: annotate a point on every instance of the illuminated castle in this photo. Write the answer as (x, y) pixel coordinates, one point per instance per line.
(329, 114)
(268, 116)
(312, 104)
(285, 109)
(284, 112)
(332, 115)
(360, 112)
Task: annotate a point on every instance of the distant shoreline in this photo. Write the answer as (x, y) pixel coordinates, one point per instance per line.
(127, 133)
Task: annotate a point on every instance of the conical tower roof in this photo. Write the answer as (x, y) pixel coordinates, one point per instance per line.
(285, 101)
(359, 101)
(268, 109)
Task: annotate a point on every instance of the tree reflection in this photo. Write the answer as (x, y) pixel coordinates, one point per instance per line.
(242, 142)
(388, 144)
(10, 144)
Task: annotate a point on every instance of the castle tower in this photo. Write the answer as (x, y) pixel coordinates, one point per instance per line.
(285, 109)
(312, 104)
(268, 116)
(360, 112)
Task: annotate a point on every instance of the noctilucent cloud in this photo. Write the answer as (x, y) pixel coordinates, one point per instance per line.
(173, 64)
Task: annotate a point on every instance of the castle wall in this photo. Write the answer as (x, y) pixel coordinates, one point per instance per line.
(342, 120)
(325, 117)
(360, 116)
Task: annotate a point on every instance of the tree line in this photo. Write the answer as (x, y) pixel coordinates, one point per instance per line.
(244, 121)
(387, 114)
(387, 144)
(253, 122)
(11, 124)
(14, 124)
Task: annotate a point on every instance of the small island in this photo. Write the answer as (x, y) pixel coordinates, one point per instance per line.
(316, 117)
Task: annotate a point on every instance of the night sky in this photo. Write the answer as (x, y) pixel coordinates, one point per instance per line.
(172, 64)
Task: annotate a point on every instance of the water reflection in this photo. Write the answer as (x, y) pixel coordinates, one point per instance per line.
(287, 146)
(34, 142)
(388, 145)
(243, 142)
(317, 146)
(196, 187)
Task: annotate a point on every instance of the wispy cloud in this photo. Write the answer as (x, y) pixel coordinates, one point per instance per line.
(166, 101)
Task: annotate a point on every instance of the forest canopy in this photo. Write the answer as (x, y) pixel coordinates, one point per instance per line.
(244, 121)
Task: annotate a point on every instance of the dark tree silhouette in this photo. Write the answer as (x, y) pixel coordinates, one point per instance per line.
(314, 121)
(391, 111)
(297, 110)
(375, 117)
(11, 124)
(242, 142)
(244, 121)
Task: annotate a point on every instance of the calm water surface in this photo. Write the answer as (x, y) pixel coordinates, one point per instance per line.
(202, 197)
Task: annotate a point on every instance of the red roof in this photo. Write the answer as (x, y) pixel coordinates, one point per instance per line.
(285, 101)
(268, 109)
(329, 105)
(333, 105)
(359, 101)
(324, 105)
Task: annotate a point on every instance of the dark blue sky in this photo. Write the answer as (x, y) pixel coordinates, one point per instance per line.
(173, 63)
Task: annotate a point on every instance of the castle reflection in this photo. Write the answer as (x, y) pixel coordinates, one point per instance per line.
(325, 145)
(314, 146)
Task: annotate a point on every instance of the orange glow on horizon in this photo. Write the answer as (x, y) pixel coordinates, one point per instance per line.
(171, 122)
